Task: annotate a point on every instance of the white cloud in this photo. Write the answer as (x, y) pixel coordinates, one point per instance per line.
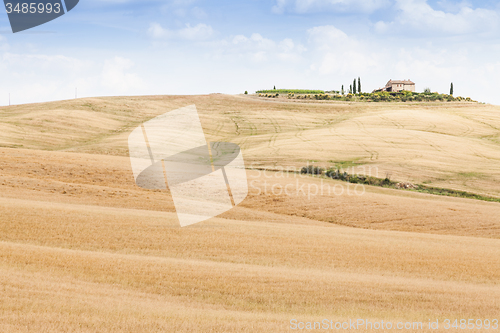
(453, 6)
(256, 47)
(156, 31)
(313, 6)
(260, 49)
(4, 46)
(44, 77)
(328, 37)
(337, 53)
(116, 78)
(40, 77)
(419, 16)
(182, 9)
(199, 13)
(198, 32)
(382, 27)
(255, 42)
(45, 63)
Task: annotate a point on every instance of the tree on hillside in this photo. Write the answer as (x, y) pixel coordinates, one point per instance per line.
(359, 84)
(354, 87)
(350, 89)
(451, 89)
(342, 89)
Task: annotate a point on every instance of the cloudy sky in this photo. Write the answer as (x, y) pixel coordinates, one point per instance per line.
(145, 47)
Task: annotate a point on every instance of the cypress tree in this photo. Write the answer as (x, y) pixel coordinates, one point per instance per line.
(359, 85)
(274, 87)
(350, 89)
(354, 87)
(342, 89)
(451, 89)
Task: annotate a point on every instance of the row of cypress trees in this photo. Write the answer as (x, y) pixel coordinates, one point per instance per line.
(353, 88)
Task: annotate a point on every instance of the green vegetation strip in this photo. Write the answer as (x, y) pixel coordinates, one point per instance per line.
(387, 183)
(290, 91)
(454, 193)
(383, 96)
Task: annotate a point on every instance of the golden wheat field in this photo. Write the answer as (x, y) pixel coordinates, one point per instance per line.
(83, 249)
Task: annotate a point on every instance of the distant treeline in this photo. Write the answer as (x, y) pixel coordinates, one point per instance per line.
(290, 91)
(382, 96)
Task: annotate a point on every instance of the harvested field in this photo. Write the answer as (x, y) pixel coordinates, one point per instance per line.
(83, 249)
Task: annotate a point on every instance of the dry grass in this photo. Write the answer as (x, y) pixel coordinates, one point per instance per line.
(453, 145)
(82, 249)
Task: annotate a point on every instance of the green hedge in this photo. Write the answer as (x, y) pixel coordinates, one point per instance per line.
(335, 173)
(290, 91)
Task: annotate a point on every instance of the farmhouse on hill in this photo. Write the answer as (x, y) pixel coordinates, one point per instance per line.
(397, 86)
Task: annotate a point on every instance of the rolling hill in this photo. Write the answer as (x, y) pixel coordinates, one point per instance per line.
(83, 249)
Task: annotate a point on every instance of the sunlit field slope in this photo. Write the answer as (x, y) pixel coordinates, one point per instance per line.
(452, 145)
(83, 249)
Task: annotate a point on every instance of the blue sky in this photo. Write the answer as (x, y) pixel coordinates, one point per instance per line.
(128, 47)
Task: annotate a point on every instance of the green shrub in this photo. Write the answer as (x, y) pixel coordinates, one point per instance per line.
(312, 170)
(294, 91)
(332, 173)
(386, 182)
(354, 179)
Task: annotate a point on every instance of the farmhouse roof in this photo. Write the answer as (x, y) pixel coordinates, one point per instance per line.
(400, 82)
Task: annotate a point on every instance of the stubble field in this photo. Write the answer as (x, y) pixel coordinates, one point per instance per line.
(83, 249)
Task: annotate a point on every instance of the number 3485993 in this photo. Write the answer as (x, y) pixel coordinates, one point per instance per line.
(33, 8)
